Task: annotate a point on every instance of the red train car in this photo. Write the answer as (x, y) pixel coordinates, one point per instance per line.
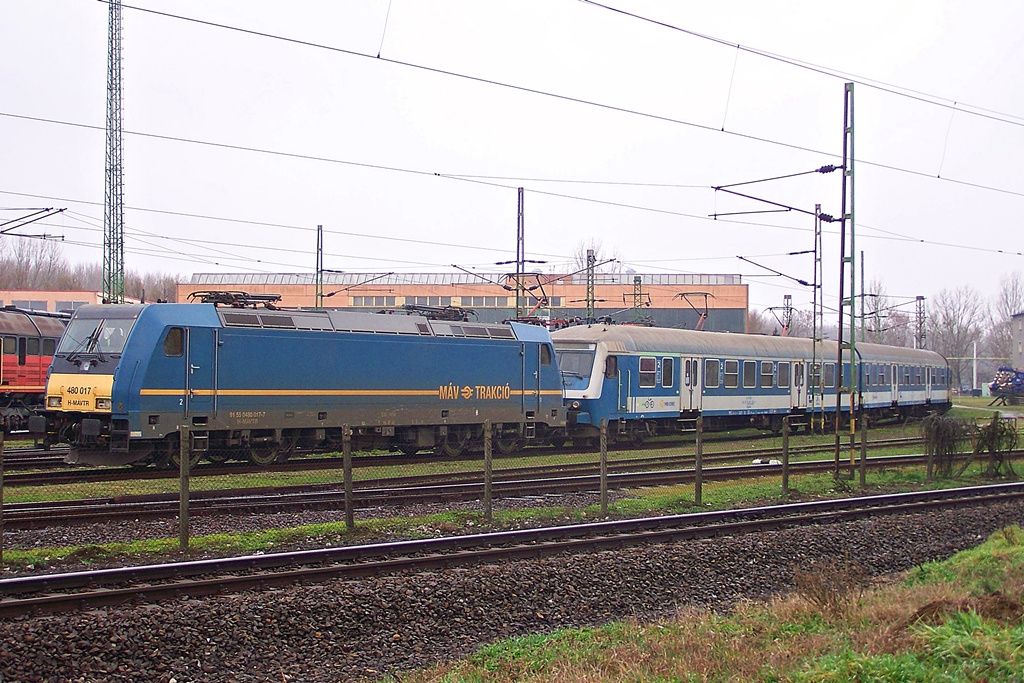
(29, 339)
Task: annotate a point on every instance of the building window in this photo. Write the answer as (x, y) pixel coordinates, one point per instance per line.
(30, 305)
(376, 301)
(711, 370)
(421, 300)
(767, 374)
(68, 305)
(648, 371)
(732, 374)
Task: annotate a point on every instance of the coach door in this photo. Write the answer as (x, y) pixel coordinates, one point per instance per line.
(690, 391)
(797, 385)
(201, 370)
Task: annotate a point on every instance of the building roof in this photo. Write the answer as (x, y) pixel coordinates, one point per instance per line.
(330, 278)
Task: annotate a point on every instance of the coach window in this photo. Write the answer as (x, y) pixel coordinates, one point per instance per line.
(767, 374)
(611, 367)
(749, 373)
(667, 372)
(830, 374)
(783, 374)
(174, 344)
(711, 370)
(648, 371)
(732, 374)
(545, 354)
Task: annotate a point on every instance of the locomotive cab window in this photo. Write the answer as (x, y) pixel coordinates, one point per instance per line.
(611, 367)
(49, 346)
(174, 343)
(545, 354)
(784, 374)
(33, 346)
(10, 345)
(648, 371)
(667, 372)
(711, 369)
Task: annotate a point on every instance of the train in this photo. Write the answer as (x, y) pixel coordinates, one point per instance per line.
(261, 384)
(29, 340)
(257, 383)
(645, 381)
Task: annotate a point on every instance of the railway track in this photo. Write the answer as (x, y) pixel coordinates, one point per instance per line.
(305, 464)
(150, 583)
(394, 492)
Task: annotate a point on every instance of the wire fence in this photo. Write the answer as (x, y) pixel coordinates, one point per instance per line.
(316, 500)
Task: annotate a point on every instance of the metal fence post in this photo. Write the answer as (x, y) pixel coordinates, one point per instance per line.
(604, 467)
(785, 457)
(698, 465)
(488, 472)
(864, 452)
(346, 452)
(184, 455)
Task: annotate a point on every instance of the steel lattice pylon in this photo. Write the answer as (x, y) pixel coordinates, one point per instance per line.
(113, 200)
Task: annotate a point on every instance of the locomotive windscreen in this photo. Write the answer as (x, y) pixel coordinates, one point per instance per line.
(85, 335)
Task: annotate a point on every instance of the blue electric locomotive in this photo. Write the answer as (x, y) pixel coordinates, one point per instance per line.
(646, 381)
(263, 384)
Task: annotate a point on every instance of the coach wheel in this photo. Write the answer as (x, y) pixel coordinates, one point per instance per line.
(409, 449)
(509, 444)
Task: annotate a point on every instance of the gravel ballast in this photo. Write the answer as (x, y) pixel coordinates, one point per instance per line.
(342, 630)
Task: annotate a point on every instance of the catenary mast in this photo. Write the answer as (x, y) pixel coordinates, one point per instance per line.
(113, 200)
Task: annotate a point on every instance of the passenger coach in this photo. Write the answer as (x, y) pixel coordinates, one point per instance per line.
(647, 381)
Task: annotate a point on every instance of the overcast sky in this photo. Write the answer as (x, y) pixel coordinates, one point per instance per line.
(618, 120)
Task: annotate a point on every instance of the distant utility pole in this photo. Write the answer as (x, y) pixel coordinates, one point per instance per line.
(520, 257)
(591, 261)
(113, 198)
(319, 266)
(919, 337)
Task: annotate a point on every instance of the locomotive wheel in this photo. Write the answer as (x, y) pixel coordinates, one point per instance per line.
(193, 459)
(508, 444)
(264, 454)
(452, 446)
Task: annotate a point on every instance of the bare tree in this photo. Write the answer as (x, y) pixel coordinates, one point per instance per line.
(1008, 302)
(40, 264)
(762, 322)
(956, 323)
(579, 256)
